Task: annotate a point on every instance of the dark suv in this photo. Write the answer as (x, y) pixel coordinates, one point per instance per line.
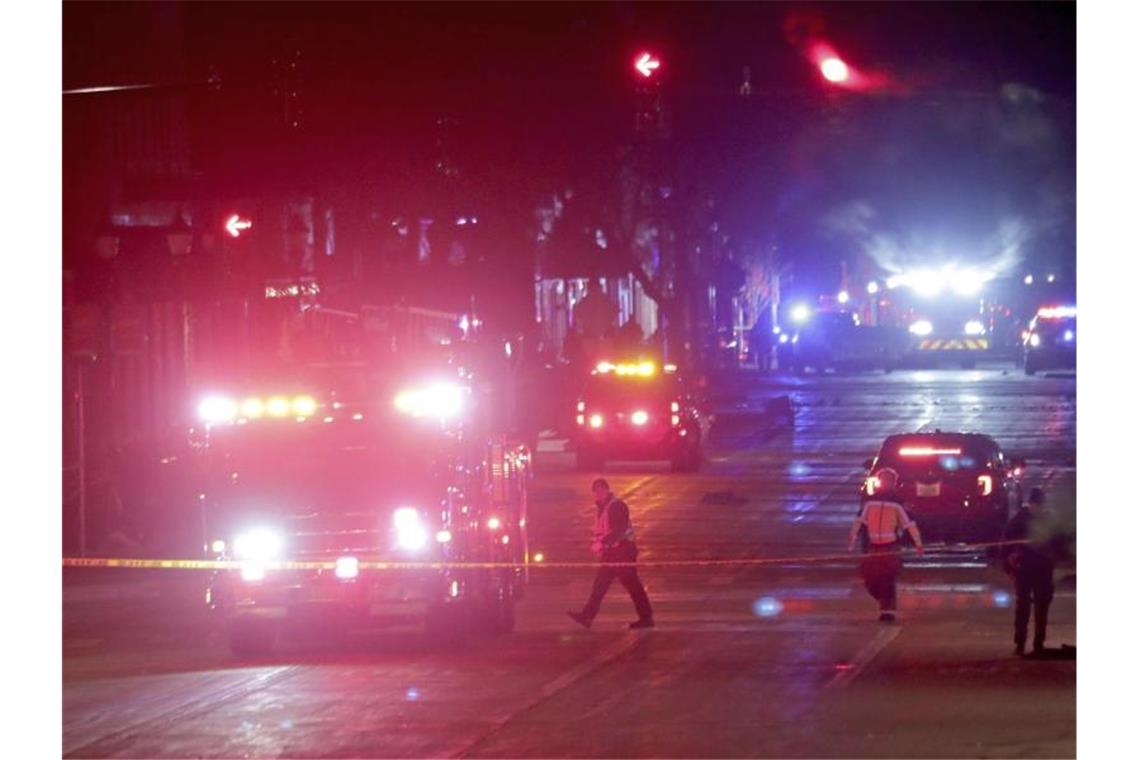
(957, 486)
(637, 410)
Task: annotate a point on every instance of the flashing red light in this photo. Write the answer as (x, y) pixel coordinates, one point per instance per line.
(834, 70)
(646, 64)
(926, 451)
(235, 225)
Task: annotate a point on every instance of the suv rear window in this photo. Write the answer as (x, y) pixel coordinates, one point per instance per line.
(913, 457)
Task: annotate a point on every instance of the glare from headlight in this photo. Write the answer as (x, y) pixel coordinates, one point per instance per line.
(304, 406)
(974, 327)
(411, 534)
(921, 327)
(441, 400)
(216, 410)
(1035, 340)
(261, 544)
(800, 313)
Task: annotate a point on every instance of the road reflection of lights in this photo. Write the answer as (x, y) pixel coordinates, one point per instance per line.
(1001, 598)
(412, 694)
(767, 606)
(799, 469)
(287, 725)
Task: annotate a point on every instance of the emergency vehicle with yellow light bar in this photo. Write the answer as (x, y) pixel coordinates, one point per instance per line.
(1050, 340)
(635, 410)
(372, 467)
(958, 487)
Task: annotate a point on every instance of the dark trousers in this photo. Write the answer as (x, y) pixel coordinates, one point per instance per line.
(880, 569)
(1034, 589)
(628, 577)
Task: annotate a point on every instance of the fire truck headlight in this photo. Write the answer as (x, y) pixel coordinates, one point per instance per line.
(974, 327)
(921, 327)
(260, 544)
(1034, 340)
(411, 534)
(216, 410)
(800, 313)
(347, 568)
(441, 400)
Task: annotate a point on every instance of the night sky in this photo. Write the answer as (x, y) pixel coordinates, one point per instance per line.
(942, 163)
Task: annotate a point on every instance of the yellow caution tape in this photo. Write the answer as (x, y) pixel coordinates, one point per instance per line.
(206, 564)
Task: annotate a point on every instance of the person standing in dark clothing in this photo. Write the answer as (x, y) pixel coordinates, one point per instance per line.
(1031, 566)
(613, 542)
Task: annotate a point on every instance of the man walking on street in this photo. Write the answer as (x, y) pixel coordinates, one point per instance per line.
(1031, 565)
(884, 518)
(613, 542)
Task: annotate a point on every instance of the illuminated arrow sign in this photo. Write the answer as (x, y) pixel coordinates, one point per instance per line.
(647, 64)
(235, 225)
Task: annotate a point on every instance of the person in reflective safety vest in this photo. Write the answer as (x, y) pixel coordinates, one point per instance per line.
(614, 542)
(884, 519)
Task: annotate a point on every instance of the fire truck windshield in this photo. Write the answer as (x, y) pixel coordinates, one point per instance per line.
(316, 466)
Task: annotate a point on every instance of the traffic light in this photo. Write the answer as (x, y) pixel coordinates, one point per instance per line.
(646, 64)
(834, 70)
(236, 224)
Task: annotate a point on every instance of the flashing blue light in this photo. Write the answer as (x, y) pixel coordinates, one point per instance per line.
(767, 606)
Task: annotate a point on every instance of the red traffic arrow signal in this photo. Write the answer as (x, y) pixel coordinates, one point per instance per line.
(646, 64)
(236, 225)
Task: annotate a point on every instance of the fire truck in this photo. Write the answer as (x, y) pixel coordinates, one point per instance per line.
(358, 494)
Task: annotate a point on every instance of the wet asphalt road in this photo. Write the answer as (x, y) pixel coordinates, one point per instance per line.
(780, 660)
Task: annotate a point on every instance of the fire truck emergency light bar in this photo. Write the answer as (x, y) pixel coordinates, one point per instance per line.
(218, 410)
(634, 369)
(1057, 312)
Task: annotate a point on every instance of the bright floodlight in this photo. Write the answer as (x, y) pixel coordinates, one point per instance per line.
(927, 282)
(895, 281)
(872, 287)
(843, 296)
(967, 282)
(834, 70)
(921, 328)
(800, 313)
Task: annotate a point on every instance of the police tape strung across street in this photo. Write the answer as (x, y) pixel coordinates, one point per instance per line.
(220, 564)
